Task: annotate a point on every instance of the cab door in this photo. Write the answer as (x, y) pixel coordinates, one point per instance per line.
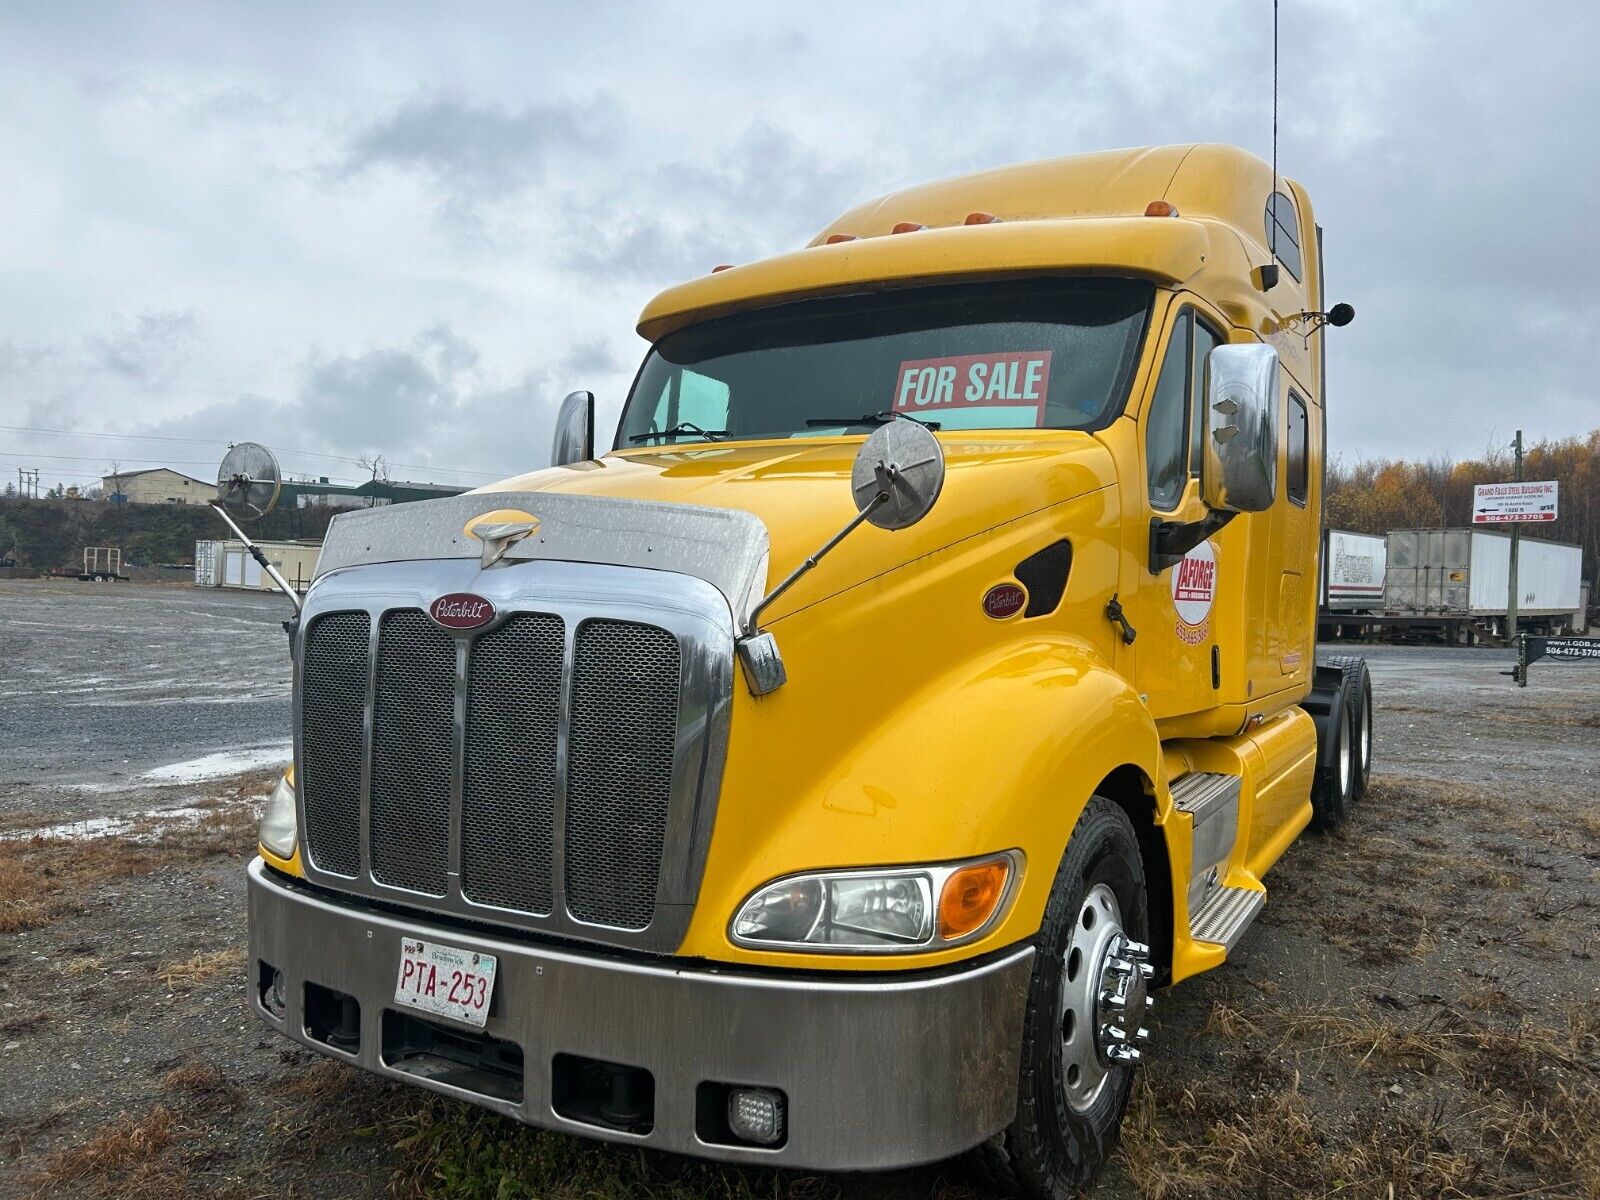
(1176, 663)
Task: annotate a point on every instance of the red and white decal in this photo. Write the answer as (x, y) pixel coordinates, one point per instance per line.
(461, 610)
(1194, 588)
(1004, 600)
(1011, 379)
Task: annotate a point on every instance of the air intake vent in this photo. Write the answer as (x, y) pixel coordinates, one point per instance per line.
(1044, 574)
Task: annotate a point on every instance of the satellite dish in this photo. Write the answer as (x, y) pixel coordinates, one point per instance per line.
(901, 461)
(248, 479)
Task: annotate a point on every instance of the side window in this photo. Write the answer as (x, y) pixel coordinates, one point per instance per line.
(1165, 443)
(1205, 341)
(1283, 232)
(1297, 430)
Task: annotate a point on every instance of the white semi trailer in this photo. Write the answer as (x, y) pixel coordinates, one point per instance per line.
(1353, 571)
(1461, 576)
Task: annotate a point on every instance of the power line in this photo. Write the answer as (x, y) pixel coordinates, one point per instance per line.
(151, 437)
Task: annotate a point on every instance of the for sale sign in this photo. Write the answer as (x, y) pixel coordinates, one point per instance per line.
(1003, 390)
(1495, 503)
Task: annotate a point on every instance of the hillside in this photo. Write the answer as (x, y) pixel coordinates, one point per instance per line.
(53, 533)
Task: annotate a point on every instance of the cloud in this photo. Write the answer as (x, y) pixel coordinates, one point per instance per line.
(762, 192)
(475, 155)
(149, 351)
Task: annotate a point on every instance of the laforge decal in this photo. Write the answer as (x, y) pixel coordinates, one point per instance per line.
(1194, 587)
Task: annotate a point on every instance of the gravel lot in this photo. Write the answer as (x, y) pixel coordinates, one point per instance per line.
(101, 684)
(1415, 1013)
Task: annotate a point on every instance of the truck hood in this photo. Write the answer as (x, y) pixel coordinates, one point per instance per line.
(801, 492)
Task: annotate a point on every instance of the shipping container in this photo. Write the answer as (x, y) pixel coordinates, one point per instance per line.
(207, 564)
(232, 566)
(1465, 572)
(1352, 571)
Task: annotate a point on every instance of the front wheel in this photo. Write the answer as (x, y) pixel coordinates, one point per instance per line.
(1087, 1002)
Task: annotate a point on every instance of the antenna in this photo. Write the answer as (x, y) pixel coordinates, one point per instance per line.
(1271, 204)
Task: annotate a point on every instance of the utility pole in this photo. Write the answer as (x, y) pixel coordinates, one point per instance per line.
(1512, 588)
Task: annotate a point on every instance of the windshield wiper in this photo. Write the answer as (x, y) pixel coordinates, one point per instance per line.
(678, 430)
(877, 418)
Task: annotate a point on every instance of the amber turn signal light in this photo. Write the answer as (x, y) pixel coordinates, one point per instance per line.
(1161, 208)
(970, 897)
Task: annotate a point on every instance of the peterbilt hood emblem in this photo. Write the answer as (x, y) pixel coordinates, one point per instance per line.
(461, 610)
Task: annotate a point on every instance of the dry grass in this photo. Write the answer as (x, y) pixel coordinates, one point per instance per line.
(124, 1159)
(201, 968)
(43, 879)
(27, 1021)
(195, 1080)
(1492, 1103)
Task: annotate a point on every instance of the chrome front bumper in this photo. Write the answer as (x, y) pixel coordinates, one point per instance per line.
(879, 1072)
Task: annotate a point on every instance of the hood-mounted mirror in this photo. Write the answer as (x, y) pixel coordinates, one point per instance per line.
(896, 478)
(898, 474)
(249, 482)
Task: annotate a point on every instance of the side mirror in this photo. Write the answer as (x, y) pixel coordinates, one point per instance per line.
(1241, 443)
(574, 435)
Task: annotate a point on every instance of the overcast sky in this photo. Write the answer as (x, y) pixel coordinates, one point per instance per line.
(349, 230)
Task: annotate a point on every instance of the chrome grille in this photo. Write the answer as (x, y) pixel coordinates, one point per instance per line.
(508, 798)
(413, 725)
(624, 726)
(555, 770)
(333, 690)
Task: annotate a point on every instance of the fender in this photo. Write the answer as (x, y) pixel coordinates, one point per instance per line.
(996, 753)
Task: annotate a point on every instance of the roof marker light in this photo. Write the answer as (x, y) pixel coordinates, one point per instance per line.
(1161, 208)
(835, 238)
(907, 227)
(722, 267)
(981, 218)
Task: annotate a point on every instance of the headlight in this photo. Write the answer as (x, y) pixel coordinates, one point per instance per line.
(279, 828)
(898, 909)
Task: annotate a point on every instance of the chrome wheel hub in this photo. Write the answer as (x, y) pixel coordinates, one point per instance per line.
(1105, 996)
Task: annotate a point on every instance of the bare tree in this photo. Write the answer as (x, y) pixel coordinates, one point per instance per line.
(380, 472)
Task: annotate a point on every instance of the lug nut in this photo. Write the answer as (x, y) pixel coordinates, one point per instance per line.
(1147, 971)
(1137, 949)
(1142, 1036)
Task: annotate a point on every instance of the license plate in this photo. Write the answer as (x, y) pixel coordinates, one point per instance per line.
(445, 981)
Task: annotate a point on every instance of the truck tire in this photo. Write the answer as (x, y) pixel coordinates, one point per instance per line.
(1358, 691)
(1331, 790)
(1071, 1095)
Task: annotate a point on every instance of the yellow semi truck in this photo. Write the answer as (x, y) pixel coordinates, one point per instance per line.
(827, 773)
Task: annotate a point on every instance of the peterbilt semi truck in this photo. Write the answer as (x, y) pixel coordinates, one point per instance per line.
(828, 771)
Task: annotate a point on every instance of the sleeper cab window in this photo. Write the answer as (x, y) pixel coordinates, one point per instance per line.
(1298, 431)
(1283, 232)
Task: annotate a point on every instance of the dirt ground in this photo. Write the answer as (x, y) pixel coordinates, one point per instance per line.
(1416, 1013)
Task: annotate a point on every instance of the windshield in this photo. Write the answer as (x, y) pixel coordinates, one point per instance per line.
(1051, 354)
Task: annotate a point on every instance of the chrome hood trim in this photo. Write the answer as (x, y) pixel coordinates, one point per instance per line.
(728, 548)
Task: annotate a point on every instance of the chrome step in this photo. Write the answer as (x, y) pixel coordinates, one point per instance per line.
(1212, 802)
(1203, 791)
(1225, 915)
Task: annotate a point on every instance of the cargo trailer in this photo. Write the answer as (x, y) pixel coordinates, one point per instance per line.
(1462, 575)
(1353, 571)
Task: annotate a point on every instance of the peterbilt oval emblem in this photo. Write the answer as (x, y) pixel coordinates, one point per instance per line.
(1004, 600)
(461, 610)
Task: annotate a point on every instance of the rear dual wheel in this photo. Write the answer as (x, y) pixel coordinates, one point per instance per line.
(1087, 1001)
